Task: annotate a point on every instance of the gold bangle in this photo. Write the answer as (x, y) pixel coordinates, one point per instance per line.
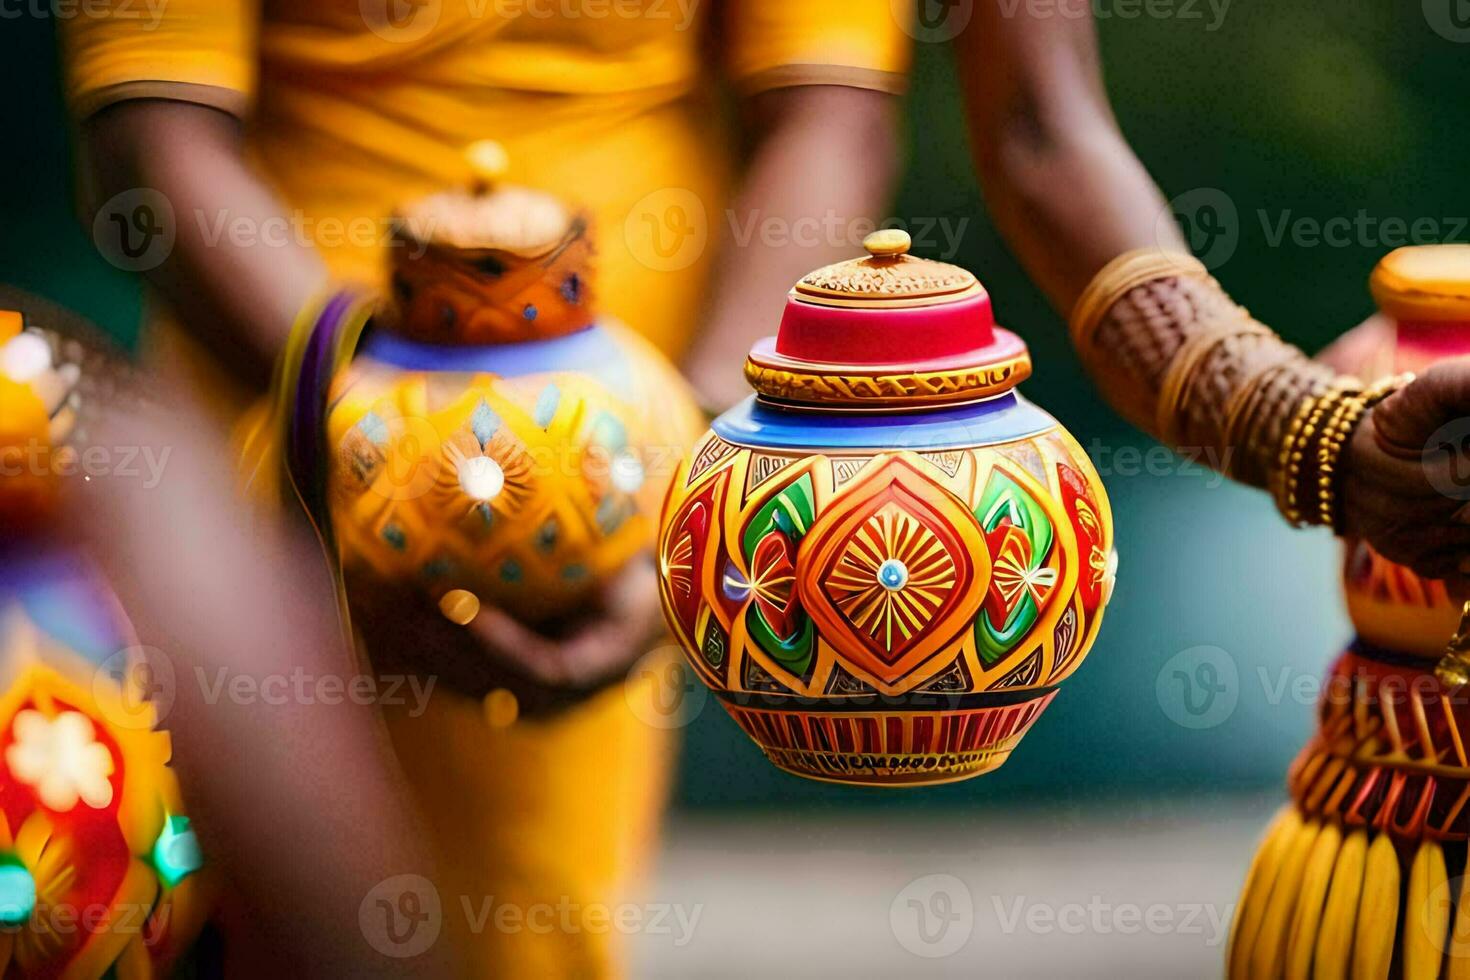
(1289, 440)
(1320, 407)
(1334, 437)
(1384, 387)
(1295, 450)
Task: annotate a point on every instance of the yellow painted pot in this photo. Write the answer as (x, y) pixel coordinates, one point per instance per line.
(494, 434)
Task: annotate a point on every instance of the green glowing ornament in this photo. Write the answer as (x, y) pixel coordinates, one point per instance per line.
(176, 853)
(17, 892)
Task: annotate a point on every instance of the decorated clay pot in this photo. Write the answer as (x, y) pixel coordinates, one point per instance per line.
(1423, 292)
(90, 812)
(91, 819)
(31, 391)
(885, 561)
(494, 434)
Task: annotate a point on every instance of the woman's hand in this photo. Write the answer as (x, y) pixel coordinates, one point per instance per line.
(546, 667)
(1406, 476)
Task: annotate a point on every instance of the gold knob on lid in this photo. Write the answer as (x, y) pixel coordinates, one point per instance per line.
(887, 243)
(488, 162)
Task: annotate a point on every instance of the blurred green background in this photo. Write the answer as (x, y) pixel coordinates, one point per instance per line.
(1291, 110)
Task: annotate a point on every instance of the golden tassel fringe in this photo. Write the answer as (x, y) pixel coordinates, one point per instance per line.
(1269, 954)
(1340, 914)
(1306, 923)
(1427, 913)
(1458, 945)
(1378, 913)
(1253, 897)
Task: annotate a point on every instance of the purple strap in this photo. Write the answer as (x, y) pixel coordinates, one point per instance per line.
(306, 429)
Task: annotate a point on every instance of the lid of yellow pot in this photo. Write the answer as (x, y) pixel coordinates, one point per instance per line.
(491, 263)
(489, 214)
(1424, 282)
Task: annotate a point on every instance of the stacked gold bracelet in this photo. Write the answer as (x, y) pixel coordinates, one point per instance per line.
(1179, 358)
(1306, 475)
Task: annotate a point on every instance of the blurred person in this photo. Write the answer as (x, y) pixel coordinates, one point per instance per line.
(1353, 874)
(265, 147)
(137, 805)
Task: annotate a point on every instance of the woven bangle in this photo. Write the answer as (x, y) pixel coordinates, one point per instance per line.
(1124, 273)
(1185, 365)
(1241, 409)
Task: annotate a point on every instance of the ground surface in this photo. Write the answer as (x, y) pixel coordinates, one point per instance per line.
(1135, 890)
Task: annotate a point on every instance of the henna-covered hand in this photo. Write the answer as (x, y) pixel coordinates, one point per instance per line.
(1406, 476)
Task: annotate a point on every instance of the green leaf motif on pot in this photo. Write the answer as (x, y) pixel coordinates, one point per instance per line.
(775, 621)
(1019, 536)
(791, 511)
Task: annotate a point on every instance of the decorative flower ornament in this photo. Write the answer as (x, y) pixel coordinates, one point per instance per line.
(61, 759)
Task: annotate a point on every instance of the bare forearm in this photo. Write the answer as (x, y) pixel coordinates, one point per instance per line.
(824, 165)
(1067, 208)
(1167, 346)
(238, 294)
(292, 785)
(1061, 183)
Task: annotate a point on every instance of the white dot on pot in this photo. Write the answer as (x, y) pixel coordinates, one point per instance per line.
(481, 477)
(25, 357)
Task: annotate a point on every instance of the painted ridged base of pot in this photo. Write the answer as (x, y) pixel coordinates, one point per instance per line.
(890, 748)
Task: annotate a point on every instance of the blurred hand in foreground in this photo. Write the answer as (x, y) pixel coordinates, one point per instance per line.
(299, 804)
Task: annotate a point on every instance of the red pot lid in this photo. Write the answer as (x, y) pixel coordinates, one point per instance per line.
(887, 331)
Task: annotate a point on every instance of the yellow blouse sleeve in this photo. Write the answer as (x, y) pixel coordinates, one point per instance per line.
(189, 50)
(780, 43)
